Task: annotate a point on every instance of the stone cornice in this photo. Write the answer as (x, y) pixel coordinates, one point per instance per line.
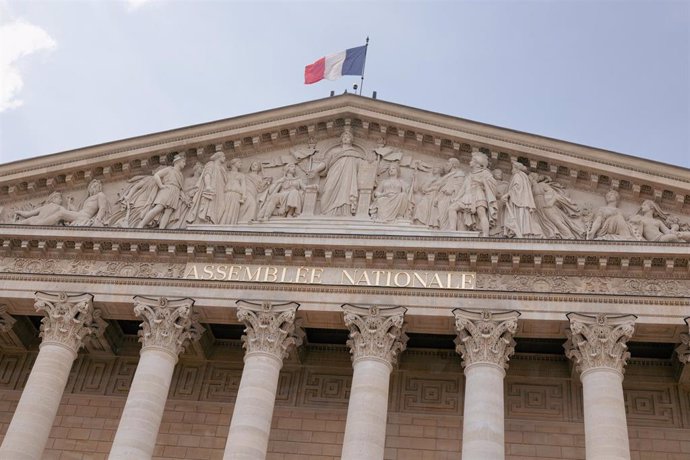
(417, 129)
(27, 235)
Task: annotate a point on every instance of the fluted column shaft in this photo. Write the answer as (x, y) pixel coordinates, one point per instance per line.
(269, 335)
(485, 341)
(167, 327)
(597, 345)
(69, 320)
(376, 338)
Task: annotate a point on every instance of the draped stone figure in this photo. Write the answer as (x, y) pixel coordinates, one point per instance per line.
(93, 212)
(651, 227)
(451, 186)
(557, 214)
(425, 210)
(477, 199)
(501, 189)
(609, 222)
(340, 190)
(285, 197)
(390, 197)
(520, 217)
(178, 219)
(235, 193)
(169, 182)
(207, 203)
(256, 187)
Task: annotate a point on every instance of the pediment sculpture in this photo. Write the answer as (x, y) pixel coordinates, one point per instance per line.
(363, 181)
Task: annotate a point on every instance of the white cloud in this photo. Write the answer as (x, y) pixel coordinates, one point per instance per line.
(18, 39)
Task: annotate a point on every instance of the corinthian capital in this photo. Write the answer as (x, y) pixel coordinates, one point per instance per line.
(375, 332)
(69, 319)
(270, 328)
(168, 324)
(485, 336)
(599, 341)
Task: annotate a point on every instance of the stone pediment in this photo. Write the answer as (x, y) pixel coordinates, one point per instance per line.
(353, 164)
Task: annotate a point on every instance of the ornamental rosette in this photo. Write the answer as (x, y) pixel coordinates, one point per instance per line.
(270, 328)
(168, 324)
(375, 332)
(485, 336)
(69, 319)
(599, 341)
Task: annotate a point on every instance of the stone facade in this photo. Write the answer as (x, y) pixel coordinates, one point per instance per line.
(344, 278)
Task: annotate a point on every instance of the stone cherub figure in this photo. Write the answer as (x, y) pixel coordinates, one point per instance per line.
(93, 212)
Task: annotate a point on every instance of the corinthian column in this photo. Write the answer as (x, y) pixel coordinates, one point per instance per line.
(485, 341)
(597, 345)
(167, 327)
(69, 320)
(376, 339)
(269, 335)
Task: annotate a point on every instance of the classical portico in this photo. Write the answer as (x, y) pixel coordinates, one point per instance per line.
(344, 278)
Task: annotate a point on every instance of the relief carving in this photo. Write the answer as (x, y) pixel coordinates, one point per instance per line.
(375, 333)
(485, 337)
(270, 329)
(285, 197)
(69, 319)
(375, 183)
(167, 324)
(599, 341)
(92, 213)
(340, 190)
(391, 197)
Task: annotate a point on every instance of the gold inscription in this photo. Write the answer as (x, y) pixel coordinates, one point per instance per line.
(425, 279)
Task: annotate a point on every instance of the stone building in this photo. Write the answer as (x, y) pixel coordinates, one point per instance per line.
(344, 278)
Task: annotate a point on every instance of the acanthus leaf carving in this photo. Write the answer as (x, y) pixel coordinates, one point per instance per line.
(599, 341)
(485, 336)
(270, 328)
(167, 324)
(69, 319)
(375, 332)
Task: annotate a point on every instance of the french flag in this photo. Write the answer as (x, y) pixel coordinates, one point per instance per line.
(348, 62)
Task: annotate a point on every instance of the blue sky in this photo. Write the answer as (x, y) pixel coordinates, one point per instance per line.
(610, 74)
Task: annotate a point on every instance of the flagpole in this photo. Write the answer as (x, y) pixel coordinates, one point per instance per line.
(361, 83)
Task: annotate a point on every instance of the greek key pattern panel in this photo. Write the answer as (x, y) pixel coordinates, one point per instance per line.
(653, 406)
(222, 382)
(325, 388)
(11, 365)
(92, 376)
(656, 405)
(187, 381)
(122, 376)
(438, 394)
(548, 400)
